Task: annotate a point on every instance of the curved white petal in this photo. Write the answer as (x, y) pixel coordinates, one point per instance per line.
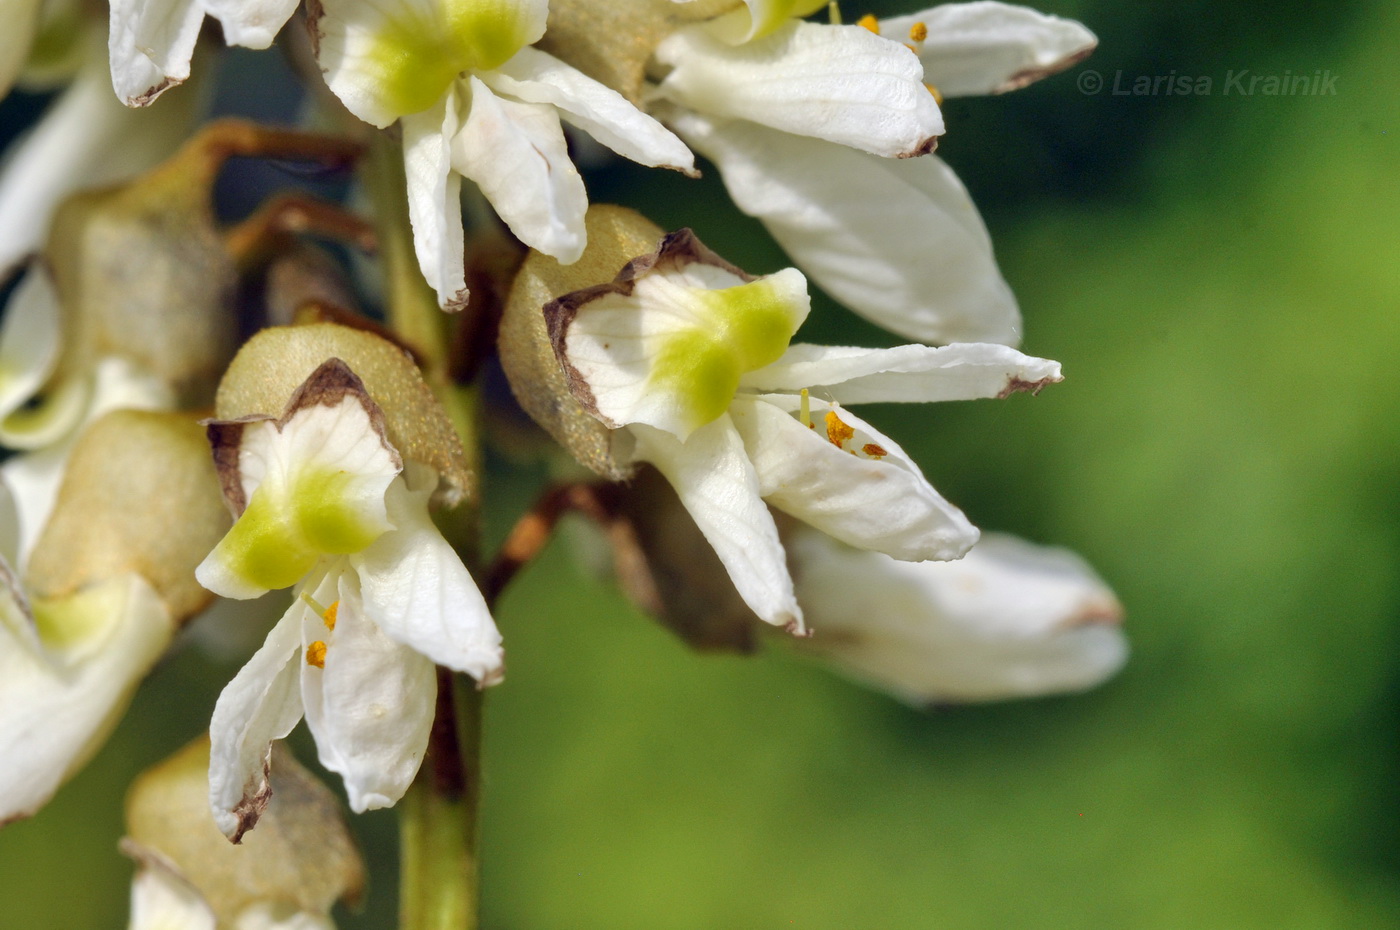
(160, 900)
(150, 43)
(866, 491)
(251, 23)
(415, 588)
(65, 681)
(370, 707)
(671, 352)
(435, 199)
(261, 704)
(849, 375)
(716, 482)
(537, 77)
(29, 348)
(21, 24)
(86, 139)
(1008, 620)
(387, 60)
(516, 154)
(988, 47)
(839, 83)
(311, 485)
(897, 241)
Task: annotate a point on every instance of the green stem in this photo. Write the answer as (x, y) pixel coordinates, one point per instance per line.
(438, 864)
(438, 818)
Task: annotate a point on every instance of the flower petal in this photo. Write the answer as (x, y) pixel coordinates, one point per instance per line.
(988, 47)
(60, 695)
(251, 23)
(87, 139)
(865, 491)
(1008, 620)
(261, 704)
(897, 241)
(668, 346)
(387, 60)
(307, 485)
(370, 707)
(839, 83)
(161, 900)
(537, 77)
(516, 154)
(415, 588)
(150, 43)
(30, 341)
(849, 375)
(717, 484)
(435, 200)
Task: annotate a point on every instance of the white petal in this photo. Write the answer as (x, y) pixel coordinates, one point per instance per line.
(265, 915)
(387, 60)
(839, 83)
(435, 200)
(261, 704)
(896, 240)
(536, 77)
(715, 481)
(21, 23)
(872, 500)
(849, 375)
(416, 589)
(991, 48)
(58, 703)
(516, 154)
(312, 485)
(371, 707)
(87, 139)
(251, 23)
(671, 352)
(150, 43)
(29, 350)
(162, 901)
(1009, 620)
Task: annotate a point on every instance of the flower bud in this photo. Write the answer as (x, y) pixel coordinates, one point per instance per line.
(301, 860)
(274, 363)
(616, 235)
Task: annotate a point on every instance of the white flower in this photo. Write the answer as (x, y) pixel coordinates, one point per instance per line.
(1008, 620)
(476, 101)
(898, 242)
(150, 42)
(687, 358)
(325, 503)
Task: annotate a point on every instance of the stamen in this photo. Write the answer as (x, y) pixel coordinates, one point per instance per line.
(837, 432)
(874, 451)
(937, 97)
(805, 413)
(918, 32)
(869, 22)
(329, 615)
(316, 654)
(313, 603)
(833, 13)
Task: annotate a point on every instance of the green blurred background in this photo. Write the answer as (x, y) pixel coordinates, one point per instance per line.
(1220, 277)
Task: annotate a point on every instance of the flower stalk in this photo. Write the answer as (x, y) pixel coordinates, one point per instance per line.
(439, 886)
